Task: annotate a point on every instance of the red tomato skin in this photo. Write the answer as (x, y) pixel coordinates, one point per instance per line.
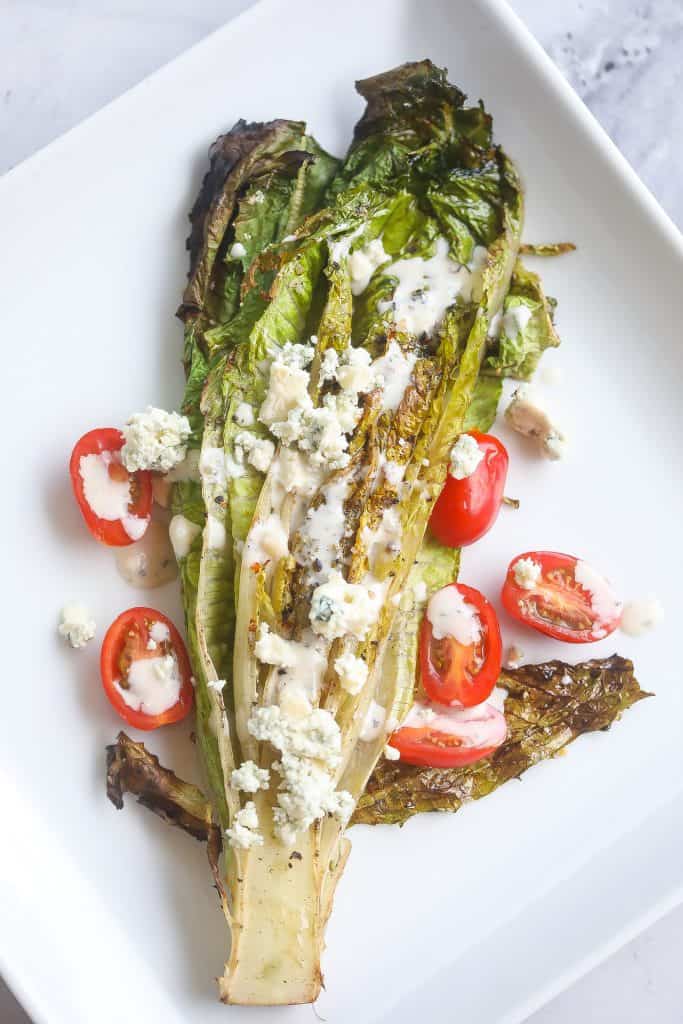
(413, 751)
(467, 509)
(109, 669)
(460, 688)
(107, 531)
(512, 594)
(429, 747)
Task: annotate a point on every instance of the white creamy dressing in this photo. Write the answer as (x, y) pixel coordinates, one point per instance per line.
(640, 616)
(149, 562)
(511, 321)
(480, 726)
(237, 251)
(384, 542)
(267, 541)
(451, 616)
(302, 664)
(182, 533)
(497, 698)
(394, 472)
(108, 498)
(293, 472)
(154, 684)
(215, 533)
(394, 369)
(212, 466)
(373, 723)
(159, 633)
(604, 602)
(516, 319)
(322, 530)
(244, 415)
(364, 262)
(427, 288)
(339, 247)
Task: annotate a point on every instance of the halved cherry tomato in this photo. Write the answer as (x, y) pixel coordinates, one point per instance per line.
(568, 601)
(439, 737)
(456, 673)
(127, 641)
(106, 443)
(467, 509)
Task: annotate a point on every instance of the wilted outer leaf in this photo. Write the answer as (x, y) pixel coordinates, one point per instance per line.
(132, 769)
(517, 354)
(548, 706)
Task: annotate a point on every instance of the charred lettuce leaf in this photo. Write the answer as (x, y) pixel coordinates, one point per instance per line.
(132, 769)
(548, 707)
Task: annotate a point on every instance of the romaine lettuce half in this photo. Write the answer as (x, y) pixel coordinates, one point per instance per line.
(279, 231)
(416, 145)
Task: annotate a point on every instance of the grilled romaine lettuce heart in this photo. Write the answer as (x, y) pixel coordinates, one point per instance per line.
(337, 316)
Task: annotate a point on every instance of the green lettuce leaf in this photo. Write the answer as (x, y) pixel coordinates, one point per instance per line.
(484, 405)
(526, 328)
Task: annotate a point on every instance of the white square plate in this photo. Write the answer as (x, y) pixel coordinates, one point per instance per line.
(480, 915)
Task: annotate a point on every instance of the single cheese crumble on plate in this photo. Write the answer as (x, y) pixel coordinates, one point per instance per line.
(76, 624)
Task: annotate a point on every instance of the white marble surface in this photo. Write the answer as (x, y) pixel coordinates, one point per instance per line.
(61, 60)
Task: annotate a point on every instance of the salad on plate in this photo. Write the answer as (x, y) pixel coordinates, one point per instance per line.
(348, 325)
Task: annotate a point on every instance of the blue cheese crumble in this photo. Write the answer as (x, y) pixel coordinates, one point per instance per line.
(155, 440)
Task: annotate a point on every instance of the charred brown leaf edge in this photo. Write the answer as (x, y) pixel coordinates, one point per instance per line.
(132, 769)
(247, 150)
